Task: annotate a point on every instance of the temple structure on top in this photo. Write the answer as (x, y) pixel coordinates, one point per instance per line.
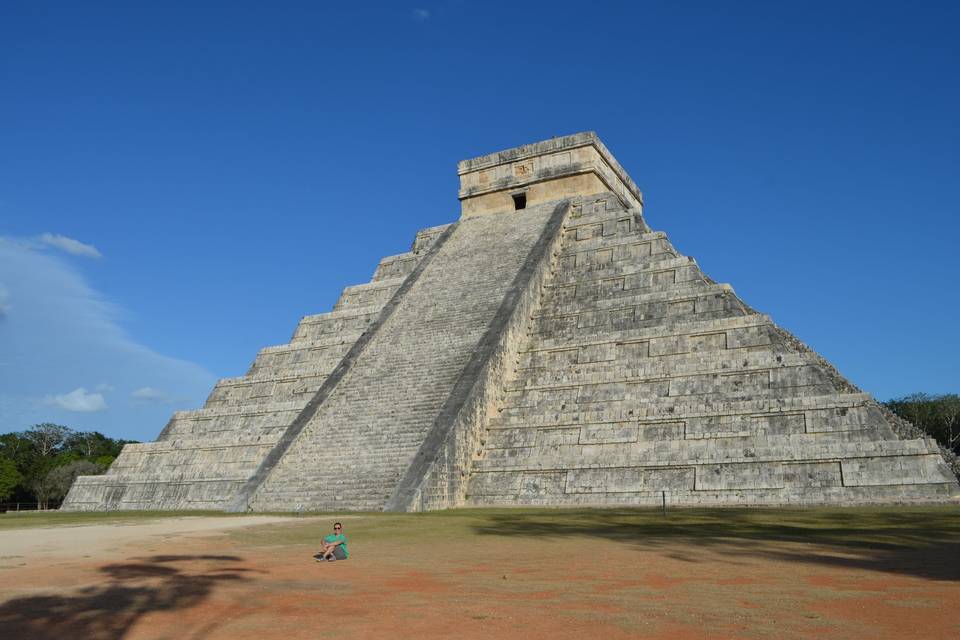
(544, 172)
(548, 348)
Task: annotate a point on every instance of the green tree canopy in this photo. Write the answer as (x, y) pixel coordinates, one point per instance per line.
(10, 477)
(936, 415)
(44, 448)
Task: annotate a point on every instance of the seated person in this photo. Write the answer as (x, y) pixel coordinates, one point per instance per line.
(334, 546)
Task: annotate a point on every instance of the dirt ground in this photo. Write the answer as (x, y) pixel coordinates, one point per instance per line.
(480, 575)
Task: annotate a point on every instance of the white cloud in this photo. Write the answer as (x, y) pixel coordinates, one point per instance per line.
(149, 394)
(78, 400)
(421, 15)
(71, 246)
(62, 333)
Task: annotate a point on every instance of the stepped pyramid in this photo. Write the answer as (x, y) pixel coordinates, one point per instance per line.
(548, 348)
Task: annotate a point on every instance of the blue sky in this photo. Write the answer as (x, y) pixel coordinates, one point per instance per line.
(179, 184)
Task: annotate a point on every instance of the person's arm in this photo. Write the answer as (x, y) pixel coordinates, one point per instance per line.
(329, 544)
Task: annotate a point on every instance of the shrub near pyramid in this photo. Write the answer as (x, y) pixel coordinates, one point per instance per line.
(548, 348)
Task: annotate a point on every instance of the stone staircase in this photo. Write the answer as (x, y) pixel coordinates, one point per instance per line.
(642, 379)
(355, 451)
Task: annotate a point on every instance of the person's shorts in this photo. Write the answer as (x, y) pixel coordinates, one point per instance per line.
(338, 553)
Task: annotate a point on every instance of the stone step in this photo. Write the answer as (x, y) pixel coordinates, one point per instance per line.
(710, 304)
(247, 421)
(564, 306)
(295, 389)
(343, 339)
(426, 237)
(668, 294)
(239, 411)
(599, 251)
(185, 442)
(365, 486)
(319, 368)
(396, 266)
(683, 336)
(339, 315)
(610, 224)
(399, 446)
(216, 434)
(178, 474)
(323, 324)
(719, 451)
(112, 493)
(377, 285)
(204, 471)
(607, 209)
(744, 385)
(277, 361)
(368, 294)
(590, 242)
(583, 280)
(533, 492)
(203, 464)
(824, 421)
(719, 307)
(790, 381)
(667, 409)
(658, 368)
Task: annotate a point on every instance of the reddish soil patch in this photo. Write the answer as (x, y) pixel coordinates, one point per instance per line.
(218, 587)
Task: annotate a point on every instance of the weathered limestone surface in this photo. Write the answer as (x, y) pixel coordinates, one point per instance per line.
(558, 354)
(641, 379)
(548, 171)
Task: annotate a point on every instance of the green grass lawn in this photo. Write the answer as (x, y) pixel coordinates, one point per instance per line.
(907, 527)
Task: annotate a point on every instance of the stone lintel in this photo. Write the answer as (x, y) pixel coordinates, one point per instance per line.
(565, 167)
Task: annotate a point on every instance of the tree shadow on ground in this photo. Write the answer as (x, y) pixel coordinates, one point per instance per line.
(132, 589)
(920, 543)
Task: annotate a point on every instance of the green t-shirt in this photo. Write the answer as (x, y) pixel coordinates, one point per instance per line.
(338, 537)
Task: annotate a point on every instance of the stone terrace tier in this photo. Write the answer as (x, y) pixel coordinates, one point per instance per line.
(642, 380)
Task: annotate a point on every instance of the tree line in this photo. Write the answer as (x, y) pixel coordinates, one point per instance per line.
(39, 465)
(936, 415)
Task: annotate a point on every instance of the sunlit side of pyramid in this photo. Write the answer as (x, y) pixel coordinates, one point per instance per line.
(548, 348)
